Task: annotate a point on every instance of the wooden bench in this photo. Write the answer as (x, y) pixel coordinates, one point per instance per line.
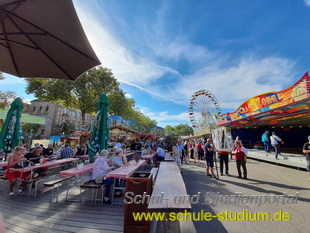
(90, 185)
(53, 183)
(169, 181)
(35, 182)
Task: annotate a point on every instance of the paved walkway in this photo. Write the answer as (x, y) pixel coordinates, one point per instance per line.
(294, 160)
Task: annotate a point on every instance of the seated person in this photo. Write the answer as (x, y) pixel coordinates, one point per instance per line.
(13, 160)
(36, 157)
(47, 152)
(147, 150)
(118, 160)
(159, 155)
(101, 168)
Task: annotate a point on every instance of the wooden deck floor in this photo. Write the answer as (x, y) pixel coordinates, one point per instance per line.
(23, 214)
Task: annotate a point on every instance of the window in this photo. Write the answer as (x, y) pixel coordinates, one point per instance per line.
(42, 132)
(47, 108)
(41, 107)
(65, 111)
(34, 109)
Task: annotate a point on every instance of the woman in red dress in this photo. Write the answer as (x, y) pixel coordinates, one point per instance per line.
(12, 176)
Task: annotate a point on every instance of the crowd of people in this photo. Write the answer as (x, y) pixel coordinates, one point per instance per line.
(183, 151)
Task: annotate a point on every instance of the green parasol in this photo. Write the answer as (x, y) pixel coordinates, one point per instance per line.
(11, 132)
(100, 134)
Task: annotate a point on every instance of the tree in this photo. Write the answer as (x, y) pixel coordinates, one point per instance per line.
(83, 94)
(6, 98)
(67, 127)
(179, 130)
(170, 130)
(184, 130)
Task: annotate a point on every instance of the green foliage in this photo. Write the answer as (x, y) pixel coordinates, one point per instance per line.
(67, 127)
(179, 130)
(85, 92)
(169, 140)
(26, 127)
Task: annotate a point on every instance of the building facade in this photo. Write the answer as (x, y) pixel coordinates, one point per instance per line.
(58, 114)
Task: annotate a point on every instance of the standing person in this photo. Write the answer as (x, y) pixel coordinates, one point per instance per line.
(240, 156)
(176, 154)
(78, 151)
(209, 153)
(238, 140)
(195, 153)
(265, 140)
(186, 149)
(275, 142)
(191, 149)
(200, 150)
(223, 155)
(181, 149)
(306, 150)
(67, 152)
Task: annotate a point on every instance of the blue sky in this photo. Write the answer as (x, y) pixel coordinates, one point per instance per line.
(163, 51)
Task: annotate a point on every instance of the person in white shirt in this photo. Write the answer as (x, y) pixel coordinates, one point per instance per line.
(275, 142)
(159, 155)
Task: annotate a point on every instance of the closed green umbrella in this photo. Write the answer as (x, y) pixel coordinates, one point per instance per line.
(100, 134)
(11, 132)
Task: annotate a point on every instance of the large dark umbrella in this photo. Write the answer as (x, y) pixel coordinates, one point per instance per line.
(11, 132)
(100, 134)
(43, 38)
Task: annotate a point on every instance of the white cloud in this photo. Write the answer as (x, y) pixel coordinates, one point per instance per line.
(163, 118)
(233, 85)
(127, 95)
(307, 2)
(231, 79)
(124, 64)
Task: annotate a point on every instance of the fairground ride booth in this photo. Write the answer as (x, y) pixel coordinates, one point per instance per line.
(285, 112)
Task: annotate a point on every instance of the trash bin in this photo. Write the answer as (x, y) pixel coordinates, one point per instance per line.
(138, 183)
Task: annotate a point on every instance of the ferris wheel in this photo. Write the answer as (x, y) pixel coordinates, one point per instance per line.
(202, 109)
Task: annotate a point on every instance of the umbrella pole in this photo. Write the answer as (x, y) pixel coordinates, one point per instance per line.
(217, 171)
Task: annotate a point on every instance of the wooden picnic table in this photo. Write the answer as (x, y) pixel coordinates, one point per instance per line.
(83, 156)
(45, 165)
(77, 172)
(123, 172)
(169, 180)
(148, 156)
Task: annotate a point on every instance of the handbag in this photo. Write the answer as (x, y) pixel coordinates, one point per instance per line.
(99, 179)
